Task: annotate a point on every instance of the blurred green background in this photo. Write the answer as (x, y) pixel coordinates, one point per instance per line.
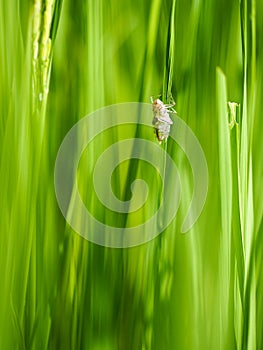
(61, 60)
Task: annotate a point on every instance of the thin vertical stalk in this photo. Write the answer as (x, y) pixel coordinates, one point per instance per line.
(248, 33)
(169, 59)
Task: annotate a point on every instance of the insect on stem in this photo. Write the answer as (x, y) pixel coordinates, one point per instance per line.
(161, 119)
